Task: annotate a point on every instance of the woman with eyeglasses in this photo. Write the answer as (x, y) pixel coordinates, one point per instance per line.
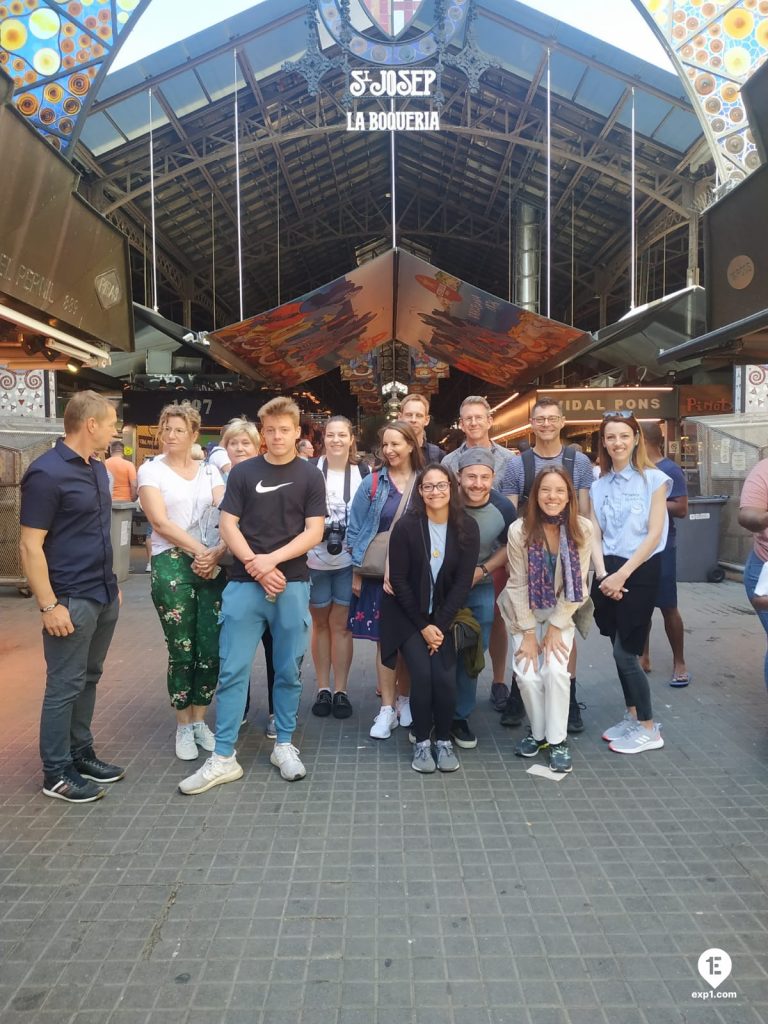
(630, 523)
(330, 570)
(381, 499)
(432, 561)
(548, 553)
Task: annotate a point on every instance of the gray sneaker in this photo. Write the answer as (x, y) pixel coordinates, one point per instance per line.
(270, 731)
(636, 740)
(446, 759)
(422, 758)
(617, 731)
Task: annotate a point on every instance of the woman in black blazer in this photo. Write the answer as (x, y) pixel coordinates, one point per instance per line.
(433, 552)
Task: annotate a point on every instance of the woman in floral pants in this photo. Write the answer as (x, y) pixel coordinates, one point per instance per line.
(186, 579)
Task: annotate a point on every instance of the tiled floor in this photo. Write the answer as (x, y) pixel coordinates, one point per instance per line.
(367, 894)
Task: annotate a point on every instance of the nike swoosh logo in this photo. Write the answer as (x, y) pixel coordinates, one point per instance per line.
(263, 489)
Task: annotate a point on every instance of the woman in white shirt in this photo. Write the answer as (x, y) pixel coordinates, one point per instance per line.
(330, 570)
(187, 582)
(630, 523)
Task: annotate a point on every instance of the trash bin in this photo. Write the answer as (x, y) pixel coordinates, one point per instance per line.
(698, 541)
(120, 534)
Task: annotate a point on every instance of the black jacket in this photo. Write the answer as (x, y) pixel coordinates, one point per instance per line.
(407, 612)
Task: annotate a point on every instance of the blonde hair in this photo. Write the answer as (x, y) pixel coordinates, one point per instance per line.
(240, 426)
(183, 411)
(83, 406)
(281, 406)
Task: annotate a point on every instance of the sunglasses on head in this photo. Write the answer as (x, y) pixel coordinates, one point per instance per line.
(622, 414)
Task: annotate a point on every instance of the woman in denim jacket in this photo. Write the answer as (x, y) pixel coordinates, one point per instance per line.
(373, 510)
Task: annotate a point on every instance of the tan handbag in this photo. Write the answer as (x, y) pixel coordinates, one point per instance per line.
(374, 564)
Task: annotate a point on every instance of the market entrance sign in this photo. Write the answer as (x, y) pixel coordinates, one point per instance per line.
(390, 83)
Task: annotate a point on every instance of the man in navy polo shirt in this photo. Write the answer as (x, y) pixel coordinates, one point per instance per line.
(66, 553)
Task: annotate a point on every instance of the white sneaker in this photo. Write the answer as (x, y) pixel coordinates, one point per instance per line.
(215, 771)
(403, 711)
(383, 724)
(204, 737)
(286, 757)
(186, 748)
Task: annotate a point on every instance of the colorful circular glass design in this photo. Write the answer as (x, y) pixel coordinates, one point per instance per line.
(717, 45)
(54, 51)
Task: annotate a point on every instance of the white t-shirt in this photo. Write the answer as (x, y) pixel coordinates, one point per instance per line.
(318, 557)
(185, 500)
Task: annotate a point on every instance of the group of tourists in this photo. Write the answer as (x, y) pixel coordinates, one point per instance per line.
(436, 559)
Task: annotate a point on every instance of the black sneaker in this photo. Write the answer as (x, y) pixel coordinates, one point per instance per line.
(89, 766)
(323, 704)
(514, 711)
(341, 706)
(70, 786)
(530, 747)
(575, 724)
(462, 735)
(560, 758)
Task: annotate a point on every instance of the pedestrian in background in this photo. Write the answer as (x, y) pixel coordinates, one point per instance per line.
(666, 597)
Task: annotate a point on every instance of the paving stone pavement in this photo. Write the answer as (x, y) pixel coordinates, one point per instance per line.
(367, 894)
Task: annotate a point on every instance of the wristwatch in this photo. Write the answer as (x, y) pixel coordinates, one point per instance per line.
(49, 607)
(483, 570)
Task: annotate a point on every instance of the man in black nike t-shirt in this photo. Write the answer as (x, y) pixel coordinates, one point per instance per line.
(272, 513)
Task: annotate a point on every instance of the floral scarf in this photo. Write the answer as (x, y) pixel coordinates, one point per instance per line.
(541, 584)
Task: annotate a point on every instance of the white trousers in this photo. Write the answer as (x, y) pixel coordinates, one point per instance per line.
(545, 688)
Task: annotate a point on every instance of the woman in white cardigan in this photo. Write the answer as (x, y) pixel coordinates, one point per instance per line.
(548, 551)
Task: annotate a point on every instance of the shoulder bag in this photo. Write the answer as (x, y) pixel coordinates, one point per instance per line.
(374, 564)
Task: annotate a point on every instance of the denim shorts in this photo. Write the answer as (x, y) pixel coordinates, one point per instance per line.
(330, 586)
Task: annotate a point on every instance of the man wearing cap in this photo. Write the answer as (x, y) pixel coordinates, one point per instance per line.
(493, 514)
(476, 420)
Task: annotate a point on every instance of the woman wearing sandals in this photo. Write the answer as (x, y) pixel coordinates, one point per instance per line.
(330, 571)
(548, 552)
(381, 499)
(187, 581)
(432, 561)
(629, 516)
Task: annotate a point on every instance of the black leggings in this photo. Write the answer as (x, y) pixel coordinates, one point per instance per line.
(433, 686)
(634, 682)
